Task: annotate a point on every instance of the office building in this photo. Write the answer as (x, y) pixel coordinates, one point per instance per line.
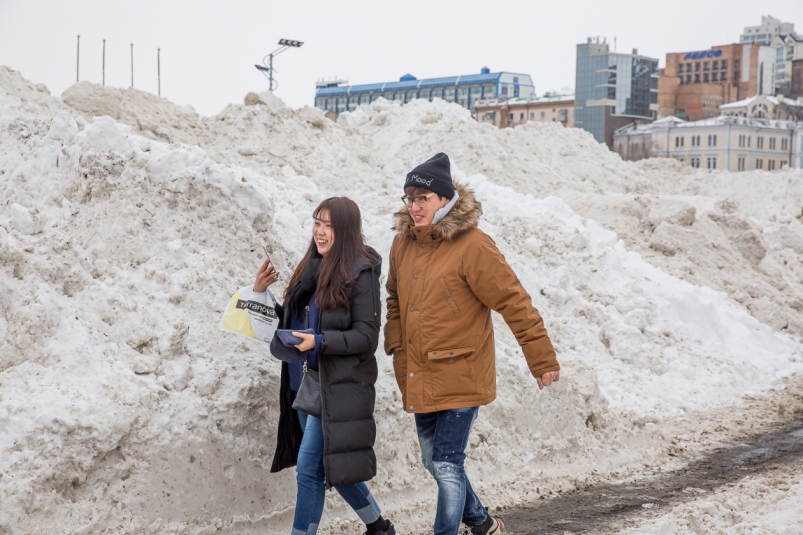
(515, 111)
(464, 90)
(613, 89)
(695, 84)
(764, 35)
(796, 85)
(729, 143)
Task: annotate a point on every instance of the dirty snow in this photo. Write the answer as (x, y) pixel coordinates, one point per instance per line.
(125, 226)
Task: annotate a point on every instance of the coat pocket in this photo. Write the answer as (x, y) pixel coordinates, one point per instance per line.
(449, 298)
(450, 377)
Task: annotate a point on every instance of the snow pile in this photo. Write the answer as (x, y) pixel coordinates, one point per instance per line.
(123, 408)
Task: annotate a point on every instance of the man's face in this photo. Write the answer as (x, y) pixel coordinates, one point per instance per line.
(424, 206)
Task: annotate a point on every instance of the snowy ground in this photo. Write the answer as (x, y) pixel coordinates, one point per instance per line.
(124, 228)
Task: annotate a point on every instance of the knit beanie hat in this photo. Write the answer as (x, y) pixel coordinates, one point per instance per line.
(434, 175)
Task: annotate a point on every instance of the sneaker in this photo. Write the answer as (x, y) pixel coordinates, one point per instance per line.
(494, 527)
(390, 531)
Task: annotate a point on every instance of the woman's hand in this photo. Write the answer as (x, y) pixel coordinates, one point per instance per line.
(308, 341)
(266, 276)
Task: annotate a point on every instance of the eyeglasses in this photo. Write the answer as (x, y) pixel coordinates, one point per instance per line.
(420, 200)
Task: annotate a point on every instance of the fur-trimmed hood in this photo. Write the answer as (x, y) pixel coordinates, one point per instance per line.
(463, 216)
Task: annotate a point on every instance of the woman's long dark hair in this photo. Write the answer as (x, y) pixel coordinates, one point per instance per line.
(334, 278)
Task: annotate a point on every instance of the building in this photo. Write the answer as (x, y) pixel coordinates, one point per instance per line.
(796, 89)
(729, 143)
(764, 35)
(765, 107)
(613, 89)
(515, 111)
(464, 90)
(797, 148)
(695, 84)
(787, 48)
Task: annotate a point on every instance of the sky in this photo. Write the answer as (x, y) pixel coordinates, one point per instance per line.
(209, 48)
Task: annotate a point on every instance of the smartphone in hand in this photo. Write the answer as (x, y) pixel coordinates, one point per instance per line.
(259, 255)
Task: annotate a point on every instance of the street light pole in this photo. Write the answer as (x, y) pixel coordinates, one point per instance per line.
(267, 66)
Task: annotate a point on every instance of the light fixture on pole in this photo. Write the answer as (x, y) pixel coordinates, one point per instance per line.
(267, 66)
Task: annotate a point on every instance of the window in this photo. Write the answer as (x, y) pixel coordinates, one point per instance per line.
(759, 163)
(760, 142)
(680, 68)
(712, 140)
(724, 64)
(784, 144)
(521, 116)
(504, 90)
(511, 117)
(679, 141)
(772, 143)
(694, 162)
(770, 165)
(740, 163)
(490, 116)
(707, 66)
(543, 115)
(724, 76)
(711, 162)
(532, 115)
(742, 140)
(688, 78)
(706, 77)
(697, 78)
(695, 141)
(736, 64)
(515, 79)
(783, 163)
(715, 65)
(697, 67)
(714, 76)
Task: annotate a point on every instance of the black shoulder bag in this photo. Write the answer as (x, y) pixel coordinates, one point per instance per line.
(308, 397)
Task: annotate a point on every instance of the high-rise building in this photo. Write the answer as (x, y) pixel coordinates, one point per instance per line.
(764, 35)
(464, 90)
(694, 84)
(613, 89)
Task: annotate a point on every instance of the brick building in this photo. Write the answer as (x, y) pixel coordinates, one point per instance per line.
(694, 84)
(512, 112)
(796, 87)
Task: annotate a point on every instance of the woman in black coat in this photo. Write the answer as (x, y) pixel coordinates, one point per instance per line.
(334, 291)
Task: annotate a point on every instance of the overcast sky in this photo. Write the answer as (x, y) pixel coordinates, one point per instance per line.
(209, 48)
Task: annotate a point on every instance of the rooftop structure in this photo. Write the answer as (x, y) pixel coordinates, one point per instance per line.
(464, 90)
(769, 29)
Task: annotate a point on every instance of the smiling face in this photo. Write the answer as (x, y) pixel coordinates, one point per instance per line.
(323, 233)
(423, 211)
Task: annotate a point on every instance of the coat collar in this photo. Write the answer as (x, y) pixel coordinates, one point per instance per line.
(465, 215)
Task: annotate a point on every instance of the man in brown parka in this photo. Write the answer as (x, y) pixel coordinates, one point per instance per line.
(445, 277)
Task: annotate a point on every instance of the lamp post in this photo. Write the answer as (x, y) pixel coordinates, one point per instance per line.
(267, 67)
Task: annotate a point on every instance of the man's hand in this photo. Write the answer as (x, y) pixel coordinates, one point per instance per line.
(308, 341)
(547, 379)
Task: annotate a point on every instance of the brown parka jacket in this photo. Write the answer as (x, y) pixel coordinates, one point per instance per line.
(442, 284)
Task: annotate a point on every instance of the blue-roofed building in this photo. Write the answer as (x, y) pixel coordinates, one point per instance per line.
(467, 90)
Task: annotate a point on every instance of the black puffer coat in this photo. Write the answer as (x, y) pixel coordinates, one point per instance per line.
(348, 371)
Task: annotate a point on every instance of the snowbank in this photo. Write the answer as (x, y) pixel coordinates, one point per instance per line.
(123, 408)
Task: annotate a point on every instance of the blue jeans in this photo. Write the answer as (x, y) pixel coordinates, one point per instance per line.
(311, 490)
(443, 437)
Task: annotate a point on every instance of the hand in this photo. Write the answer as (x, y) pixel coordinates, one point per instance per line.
(266, 276)
(308, 341)
(547, 379)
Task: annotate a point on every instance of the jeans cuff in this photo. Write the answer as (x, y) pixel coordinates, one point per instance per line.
(369, 513)
(311, 530)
